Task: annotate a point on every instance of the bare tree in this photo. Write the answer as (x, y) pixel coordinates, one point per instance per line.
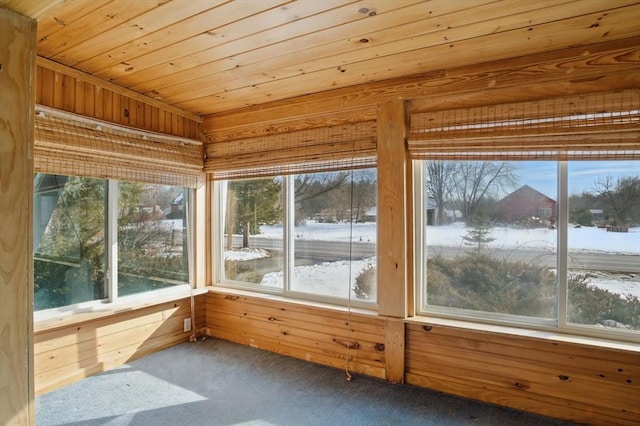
(439, 185)
(475, 181)
(622, 197)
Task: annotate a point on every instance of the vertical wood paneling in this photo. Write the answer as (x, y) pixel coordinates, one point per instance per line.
(116, 115)
(98, 103)
(78, 106)
(70, 92)
(107, 105)
(48, 86)
(17, 78)
(58, 90)
(69, 85)
(89, 100)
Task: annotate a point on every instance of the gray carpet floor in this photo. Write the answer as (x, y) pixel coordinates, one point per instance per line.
(215, 382)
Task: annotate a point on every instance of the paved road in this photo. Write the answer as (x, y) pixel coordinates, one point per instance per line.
(333, 251)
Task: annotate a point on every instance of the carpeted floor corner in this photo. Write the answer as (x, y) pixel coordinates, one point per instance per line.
(215, 382)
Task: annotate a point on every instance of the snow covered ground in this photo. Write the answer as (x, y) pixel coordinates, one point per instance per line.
(332, 277)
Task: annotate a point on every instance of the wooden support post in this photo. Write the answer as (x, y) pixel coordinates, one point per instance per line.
(200, 231)
(392, 203)
(17, 80)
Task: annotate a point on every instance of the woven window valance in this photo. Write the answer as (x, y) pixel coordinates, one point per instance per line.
(305, 151)
(589, 126)
(69, 144)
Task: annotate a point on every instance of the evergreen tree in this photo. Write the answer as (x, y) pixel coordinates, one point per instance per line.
(478, 237)
(257, 203)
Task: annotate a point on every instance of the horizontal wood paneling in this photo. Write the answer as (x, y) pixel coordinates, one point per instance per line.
(582, 383)
(75, 350)
(305, 332)
(68, 90)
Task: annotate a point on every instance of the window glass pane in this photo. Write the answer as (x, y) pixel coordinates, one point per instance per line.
(69, 248)
(490, 236)
(604, 244)
(152, 237)
(335, 234)
(253, 230)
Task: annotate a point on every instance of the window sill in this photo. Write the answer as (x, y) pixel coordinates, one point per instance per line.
(526, 332)
(289, 300)
(73, 316)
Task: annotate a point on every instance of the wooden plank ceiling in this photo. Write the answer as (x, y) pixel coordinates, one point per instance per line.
(212, 56)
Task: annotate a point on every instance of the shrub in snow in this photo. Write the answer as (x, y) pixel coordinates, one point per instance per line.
(365, 287)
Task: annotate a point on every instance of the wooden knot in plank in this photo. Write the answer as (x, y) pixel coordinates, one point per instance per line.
(379, 347)
(349, 344)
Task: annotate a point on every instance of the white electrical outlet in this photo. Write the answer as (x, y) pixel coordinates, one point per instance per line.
(187, 324)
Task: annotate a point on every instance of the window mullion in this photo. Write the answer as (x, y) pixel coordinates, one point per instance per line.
(289, 231)
(111, 240)
(419, 183)
(563, 225)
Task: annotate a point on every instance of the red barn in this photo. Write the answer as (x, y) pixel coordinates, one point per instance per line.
(526, 202)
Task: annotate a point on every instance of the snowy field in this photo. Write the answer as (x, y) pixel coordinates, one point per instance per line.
(331, 278)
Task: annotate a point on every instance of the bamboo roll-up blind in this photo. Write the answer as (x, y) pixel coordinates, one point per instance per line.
(305, 151)
(589, 126)
(69, 144)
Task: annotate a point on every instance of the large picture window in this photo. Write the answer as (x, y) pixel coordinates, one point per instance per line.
(552, 243)
(99, 240)
(310, 235)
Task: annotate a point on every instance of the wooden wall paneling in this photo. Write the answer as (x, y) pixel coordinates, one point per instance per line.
(394, 347)
(132, 113)
(116, 108)
(107, 105)
(74, 350)
(305, 332)
(392, 204)
(140, 113)
(548, 377)
(46, 64)
(99, 102)
(69, 102)
(17, 79)
(48, 86)
(58, 90)
(79, 96)
(155, 119)
(89, 100)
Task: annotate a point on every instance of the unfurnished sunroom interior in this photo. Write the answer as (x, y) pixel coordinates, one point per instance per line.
(439, 193)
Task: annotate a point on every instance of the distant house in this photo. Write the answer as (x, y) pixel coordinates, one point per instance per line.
(525, 202)
(371, 215)
(597, 214)
(432, 210)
